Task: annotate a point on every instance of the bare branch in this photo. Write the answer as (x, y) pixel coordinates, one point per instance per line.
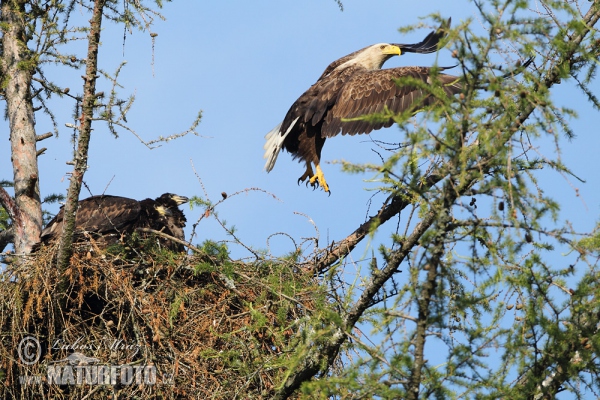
(39, 138)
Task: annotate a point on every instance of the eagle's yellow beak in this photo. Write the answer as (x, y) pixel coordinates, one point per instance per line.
(179, 199)
(392, 49)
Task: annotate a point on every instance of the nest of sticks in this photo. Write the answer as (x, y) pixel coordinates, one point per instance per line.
(136, 322)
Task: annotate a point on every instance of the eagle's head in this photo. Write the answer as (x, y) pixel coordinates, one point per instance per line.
(167, 199)
(374, 56)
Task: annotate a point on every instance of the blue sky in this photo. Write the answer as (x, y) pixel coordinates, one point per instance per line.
(243, 63)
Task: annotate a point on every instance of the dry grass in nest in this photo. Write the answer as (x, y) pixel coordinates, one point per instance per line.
(209, 326)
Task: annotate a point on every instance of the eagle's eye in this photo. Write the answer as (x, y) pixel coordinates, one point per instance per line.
(382, 46)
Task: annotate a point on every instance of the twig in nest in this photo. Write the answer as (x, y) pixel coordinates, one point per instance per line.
(167, 236)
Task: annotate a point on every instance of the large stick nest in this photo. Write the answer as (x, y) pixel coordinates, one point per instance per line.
(210, 327)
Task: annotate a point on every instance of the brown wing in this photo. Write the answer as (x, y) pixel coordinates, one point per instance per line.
(97, 214)
(312, 105)
(106, 213)
(373, 91)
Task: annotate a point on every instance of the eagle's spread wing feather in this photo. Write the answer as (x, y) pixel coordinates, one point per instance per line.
(320, 97)
(430, 43)
(373, 91)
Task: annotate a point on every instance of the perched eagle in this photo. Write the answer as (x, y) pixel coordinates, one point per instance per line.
(109, 218)
(353, 86)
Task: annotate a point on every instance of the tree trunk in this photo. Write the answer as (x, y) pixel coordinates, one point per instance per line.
(17, 70)
(83, 142)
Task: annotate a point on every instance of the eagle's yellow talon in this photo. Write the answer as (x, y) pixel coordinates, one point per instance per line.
(319, 178)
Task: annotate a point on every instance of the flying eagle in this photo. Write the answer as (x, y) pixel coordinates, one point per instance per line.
(353, 86)
(109, 218)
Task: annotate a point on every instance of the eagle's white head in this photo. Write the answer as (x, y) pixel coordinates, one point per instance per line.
(373, 57)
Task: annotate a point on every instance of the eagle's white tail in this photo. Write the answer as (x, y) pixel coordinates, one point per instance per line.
(274, 144)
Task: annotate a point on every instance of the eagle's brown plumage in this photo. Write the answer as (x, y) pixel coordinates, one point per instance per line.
(353, 86)
(110, 218)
